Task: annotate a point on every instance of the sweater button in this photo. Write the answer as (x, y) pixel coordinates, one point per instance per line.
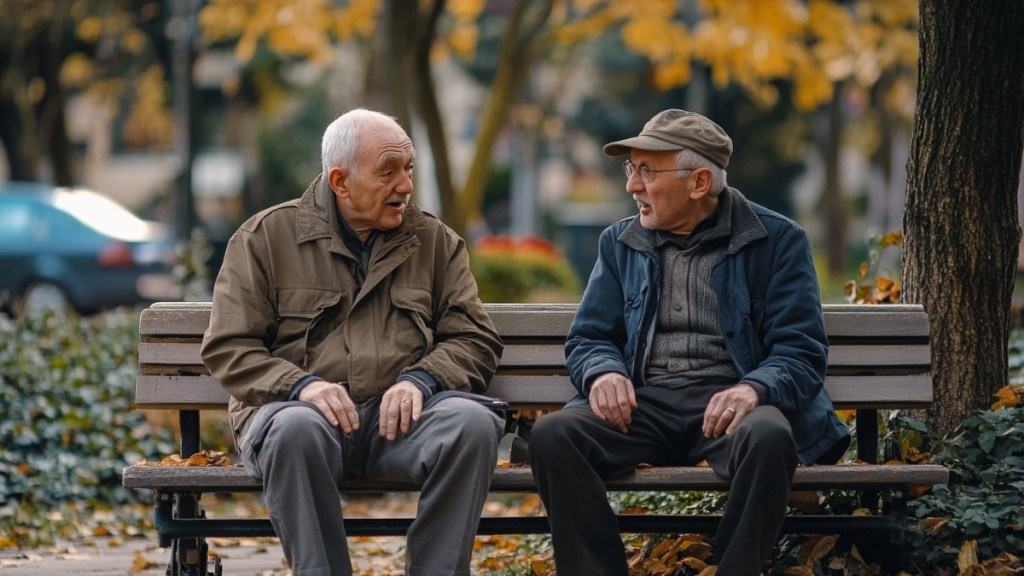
(677, 307)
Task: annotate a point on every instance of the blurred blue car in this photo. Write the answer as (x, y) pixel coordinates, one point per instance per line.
(72, 248)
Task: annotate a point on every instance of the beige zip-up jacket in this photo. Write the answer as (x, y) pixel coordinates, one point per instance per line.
(291, 301)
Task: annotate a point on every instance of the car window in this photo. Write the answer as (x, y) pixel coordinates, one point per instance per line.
(60, 224)
(15, 219)
(102, 214)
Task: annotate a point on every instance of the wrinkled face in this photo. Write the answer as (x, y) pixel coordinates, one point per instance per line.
(375, 194)
(670, 202)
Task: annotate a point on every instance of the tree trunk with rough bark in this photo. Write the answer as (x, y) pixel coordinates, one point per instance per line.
(961, 230)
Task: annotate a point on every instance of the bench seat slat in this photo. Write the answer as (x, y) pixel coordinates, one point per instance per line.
(844, 476)
(203, 392)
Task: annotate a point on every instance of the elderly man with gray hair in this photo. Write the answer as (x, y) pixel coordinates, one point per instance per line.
(347, 328)
(700, 336)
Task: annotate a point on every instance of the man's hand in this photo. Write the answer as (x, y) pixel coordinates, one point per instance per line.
(334, 402)
(727, 409)
(613, 399)
(401, 405)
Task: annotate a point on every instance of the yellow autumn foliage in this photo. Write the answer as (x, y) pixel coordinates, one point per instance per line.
(76, 70)
(89, 29)
(357, 20)
(1008, 397)
(584, 5)
(574, 31)
(465, 10)
(133, 41)
(655, 37)
(752, 43)
(149, 124)
(872, 287)
(463, 40)
(302, 28)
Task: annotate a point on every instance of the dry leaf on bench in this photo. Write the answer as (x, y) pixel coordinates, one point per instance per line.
(200, 459)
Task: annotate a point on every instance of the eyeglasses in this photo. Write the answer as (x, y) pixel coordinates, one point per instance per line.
(646, 172)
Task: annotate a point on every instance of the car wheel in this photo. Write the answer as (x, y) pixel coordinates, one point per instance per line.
(40, 297)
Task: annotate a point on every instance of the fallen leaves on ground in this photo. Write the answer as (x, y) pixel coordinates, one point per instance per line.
(817, 547)
(140, 563)
(932, 526)
(648, 555)
(1004, 564)
(672, 554)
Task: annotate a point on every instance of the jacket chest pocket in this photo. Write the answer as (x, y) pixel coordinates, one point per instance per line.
(410, 320)
(297, 311)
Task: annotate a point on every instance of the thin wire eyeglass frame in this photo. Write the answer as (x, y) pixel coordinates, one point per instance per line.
(646, 172)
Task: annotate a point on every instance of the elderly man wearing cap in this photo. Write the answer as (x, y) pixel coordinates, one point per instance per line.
(699, 337)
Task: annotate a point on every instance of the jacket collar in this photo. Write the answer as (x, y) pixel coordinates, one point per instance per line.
(736, 218)
(746, 226)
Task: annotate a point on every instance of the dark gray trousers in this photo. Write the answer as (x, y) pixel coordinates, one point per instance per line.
(573, 451)
(451, 452)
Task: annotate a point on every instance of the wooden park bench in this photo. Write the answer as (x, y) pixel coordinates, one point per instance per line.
(879, 359)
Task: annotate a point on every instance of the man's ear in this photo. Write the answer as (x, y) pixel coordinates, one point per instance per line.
(701, 183)
(337, 179)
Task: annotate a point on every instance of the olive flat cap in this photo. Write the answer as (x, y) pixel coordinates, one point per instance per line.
(675, 129)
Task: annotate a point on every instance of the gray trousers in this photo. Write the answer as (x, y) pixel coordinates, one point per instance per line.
(573, 451)
(451, 452)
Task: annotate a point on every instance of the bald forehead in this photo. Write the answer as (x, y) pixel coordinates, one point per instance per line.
(385, 140)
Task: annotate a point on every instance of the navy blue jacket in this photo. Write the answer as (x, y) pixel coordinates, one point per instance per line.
(769, 308)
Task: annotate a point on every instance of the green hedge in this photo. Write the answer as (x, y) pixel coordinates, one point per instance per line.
(524, 270)
(983, 504)
(66, 385)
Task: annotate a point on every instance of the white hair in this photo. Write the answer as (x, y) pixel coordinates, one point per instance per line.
(689, 159)
(341, 139)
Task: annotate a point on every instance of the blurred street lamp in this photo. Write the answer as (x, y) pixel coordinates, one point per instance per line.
(182, 29)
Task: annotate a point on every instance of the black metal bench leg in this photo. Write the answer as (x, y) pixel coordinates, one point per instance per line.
(192, 552)
(898, 510)
(867, 451)
(189, 556)
(163, 510)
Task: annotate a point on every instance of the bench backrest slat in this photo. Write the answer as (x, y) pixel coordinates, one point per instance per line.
(908, 321)
(878, 356)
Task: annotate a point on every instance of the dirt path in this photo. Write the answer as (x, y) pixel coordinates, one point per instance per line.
(139, 555)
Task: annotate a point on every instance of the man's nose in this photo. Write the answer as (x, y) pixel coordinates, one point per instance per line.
(405, 185)
(634, 183)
